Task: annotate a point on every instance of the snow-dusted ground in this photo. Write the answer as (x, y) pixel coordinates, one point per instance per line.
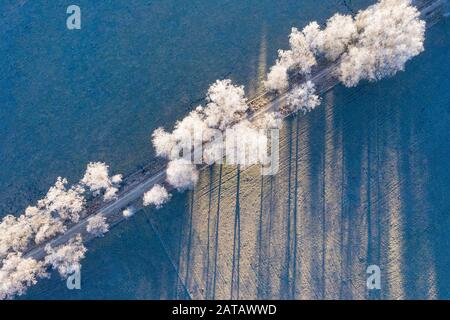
(362, 181)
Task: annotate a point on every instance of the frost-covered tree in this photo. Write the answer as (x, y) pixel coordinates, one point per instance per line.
(163, 142)
(156, 196)
(110, 194)
(43, 224)
(97, 225)
(188, 134)
(45, 220)
(17, 274)
(68, 204)
(66, 258)
(61, 206)
(389, 34)
(181, 174)
(302, 98)
(374, 45)
(116, 179)
(15, 235)
(97, 179)
(299, 59)
(277, 78)
(313, 36)
(338, 34)
(226, 104)
(128, 212)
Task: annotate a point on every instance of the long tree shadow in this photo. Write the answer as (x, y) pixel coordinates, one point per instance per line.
(206, 275)
(259, 241)
(264, 276)
(188, 266)
(285, 277)
(316, 145)
(235, 269)
(349, 127)
(216, 241)
(294, 244)
(369, 187)
(421, 230)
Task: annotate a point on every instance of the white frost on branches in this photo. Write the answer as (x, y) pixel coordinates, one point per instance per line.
(68, 204)
(298, 59)
(226, 104)
(375, 44)
(189, 133)
(15, 234)
(18, 273)
(43, 224)
(128, 212)
(277, 78)
(156, 196)
(304, 45)
(97, 225)
(66, 258)
(302, 98)
(97, 179)
(182, 174)
(338, 34)
(116, 179)
(389, 34)
(47, 219)
(61, 206)
(163, 142)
